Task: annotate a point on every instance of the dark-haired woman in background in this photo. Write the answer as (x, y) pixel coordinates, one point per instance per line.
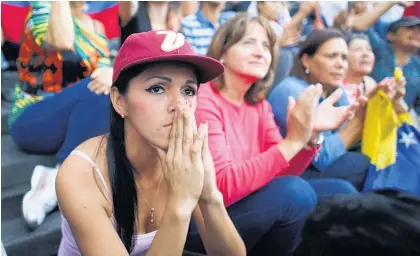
(323, 59)
(134, 191)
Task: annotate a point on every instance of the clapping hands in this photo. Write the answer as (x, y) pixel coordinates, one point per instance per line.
(331, 117)
(307, 116)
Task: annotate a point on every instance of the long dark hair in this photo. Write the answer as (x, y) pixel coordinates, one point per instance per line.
(310, 46)
(121, 171)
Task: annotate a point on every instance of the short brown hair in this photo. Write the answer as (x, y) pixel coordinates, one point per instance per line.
(231, 33)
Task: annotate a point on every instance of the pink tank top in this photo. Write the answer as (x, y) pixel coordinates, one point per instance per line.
(68, 245)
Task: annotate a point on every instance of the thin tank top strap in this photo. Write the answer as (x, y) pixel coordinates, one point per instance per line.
(95, 166)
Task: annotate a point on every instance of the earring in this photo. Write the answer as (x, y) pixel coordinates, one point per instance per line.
(222, 61)
(307, 71)
(122, 116)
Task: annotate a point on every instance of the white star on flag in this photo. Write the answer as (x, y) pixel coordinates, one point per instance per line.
(408, 139)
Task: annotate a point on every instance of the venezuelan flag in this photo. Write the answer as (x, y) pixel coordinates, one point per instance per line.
(393, 145)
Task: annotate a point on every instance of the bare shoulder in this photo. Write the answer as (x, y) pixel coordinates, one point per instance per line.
(77, 177)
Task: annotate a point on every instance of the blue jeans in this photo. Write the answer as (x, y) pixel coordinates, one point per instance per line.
(59, 123)
(270, 220)
(351, 166)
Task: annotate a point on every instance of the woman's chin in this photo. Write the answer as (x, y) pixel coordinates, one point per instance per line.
(255, 75)
(162, 145)
(334, 83)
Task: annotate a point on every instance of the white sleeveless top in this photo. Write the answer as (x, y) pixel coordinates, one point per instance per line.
(68, 245)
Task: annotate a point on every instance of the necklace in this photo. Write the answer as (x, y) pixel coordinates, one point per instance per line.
(152, 209)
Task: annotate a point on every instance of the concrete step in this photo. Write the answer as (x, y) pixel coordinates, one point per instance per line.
(5, 106)
(44, 241)
(9, 79)
(17, 166)
(11, 201)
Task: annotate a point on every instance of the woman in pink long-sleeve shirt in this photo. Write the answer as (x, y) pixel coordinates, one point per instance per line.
(257, 170)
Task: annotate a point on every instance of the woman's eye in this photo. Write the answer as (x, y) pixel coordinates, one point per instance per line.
(190, 92)
(266, 46)
(155, 89)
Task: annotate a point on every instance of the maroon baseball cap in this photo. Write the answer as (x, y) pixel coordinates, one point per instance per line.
(153, 46)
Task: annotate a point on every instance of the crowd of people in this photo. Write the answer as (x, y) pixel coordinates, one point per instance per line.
(220, 128)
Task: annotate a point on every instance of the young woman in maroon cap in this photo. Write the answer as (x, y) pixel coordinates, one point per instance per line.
(133, 191)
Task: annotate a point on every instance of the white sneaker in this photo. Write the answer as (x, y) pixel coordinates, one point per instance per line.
(41, 199)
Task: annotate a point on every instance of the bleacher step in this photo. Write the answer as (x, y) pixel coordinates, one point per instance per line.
(4, 114)
(9, 79)
(44, 241)
(11, 201)
(17, 166)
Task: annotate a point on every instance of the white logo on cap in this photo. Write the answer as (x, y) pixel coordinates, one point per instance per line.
(172, 41)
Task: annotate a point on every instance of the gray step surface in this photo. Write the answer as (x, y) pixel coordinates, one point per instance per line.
(44, 241)
(9, 79)
(11, 201)
(17, 166)
(4, 113)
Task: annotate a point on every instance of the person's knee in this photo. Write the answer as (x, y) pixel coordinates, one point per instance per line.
(335, 186)
(351, 162)
(345, 187)
(296, 193)
(31, 144)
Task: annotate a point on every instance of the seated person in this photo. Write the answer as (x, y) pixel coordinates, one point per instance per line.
(360, 64)
(323, 59)
(133, 191)
(257, 170)
(398, 50)
(200, 27)
(385, 223)
(288, 30)
(62, 47)
(139, 16)
(276, 12)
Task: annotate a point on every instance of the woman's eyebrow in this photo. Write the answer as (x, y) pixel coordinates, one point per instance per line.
(190, 81)
(168, 79)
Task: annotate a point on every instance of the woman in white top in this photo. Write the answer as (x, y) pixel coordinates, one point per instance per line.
(133, 191)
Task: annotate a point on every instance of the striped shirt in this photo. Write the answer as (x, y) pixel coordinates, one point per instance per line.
(41, 66)
(199, 31)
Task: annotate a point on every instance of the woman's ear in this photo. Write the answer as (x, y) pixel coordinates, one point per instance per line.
(118, 102)
(391, 36)
(305, 61)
